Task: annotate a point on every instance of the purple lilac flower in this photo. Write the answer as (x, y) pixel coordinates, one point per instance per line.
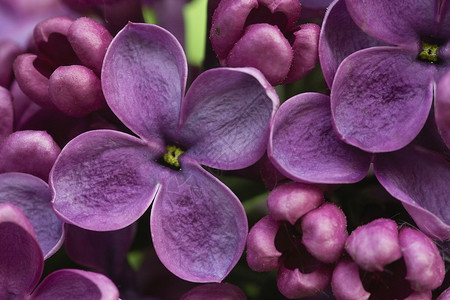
(220, 291)
(301, 237)
(285, 51)
(8, 53)
(105, 179)
(442, 108)
(22, 262)
(381, 95)
(6, 111)
(65, 72)
(416, 176)
(388, 263)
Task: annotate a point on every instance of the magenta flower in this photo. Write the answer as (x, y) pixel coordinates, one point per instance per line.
(381, 96)
(105, 180)
(388, 263)
(22, 263)
(301, 237)
(286, 51)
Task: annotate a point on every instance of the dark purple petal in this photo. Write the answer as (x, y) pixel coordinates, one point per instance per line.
(6, 111)
(29, 151)
(398, 23)
(32, 196)
(381, 98)
(419, 179)
(21, 260)
(442, 108)
(198, 226)
(76, 284)
(339, 38)
(346, 283)
(262, 255)
(425, 269)
(374, 245)
(104, 180)
(9, 50)
(303, 145)
(143, 79)
(225, 117)
(290, 201)
(220, 291)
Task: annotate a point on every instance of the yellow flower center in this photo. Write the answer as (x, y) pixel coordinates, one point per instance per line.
(171, 155)
(429, 52)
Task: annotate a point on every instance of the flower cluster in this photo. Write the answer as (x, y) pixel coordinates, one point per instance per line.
(308, 156)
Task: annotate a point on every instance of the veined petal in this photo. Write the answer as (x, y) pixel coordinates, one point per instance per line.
(419, 179)
(395, 22)
(76, 284)
(381, 98)
(32, 196)
(226, 115)
(303, 145)
(104, 180)
(199, 227)
(21, 260)
(144, 78)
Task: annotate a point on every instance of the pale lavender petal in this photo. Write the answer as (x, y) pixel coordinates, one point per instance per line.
(143, 79)
(346, 283)
(419, 179)
(6, 111)
(425, 269)
(219, 291)
(29, 151)
(262, 255)
(340, 37)
(394, 22)
(290, 201)
(21, 260)
(199, 227)
(225, 117)
(374, 245)
(104, 180)
(76, 284)
(303, 145)
(381, 98)
(32, 196)
(442, 108)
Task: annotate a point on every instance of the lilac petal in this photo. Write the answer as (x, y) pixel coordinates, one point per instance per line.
(220, 291)
(445, 295)
(381, 98)
(392, 22)
(374, 245)
(76, 284)
(304, 47)
(90, 41)
(225, 117)
(21, 259)
(340, 37)
(6, 111)
(104, 180)
(346, 283)
(294, 284)
(419, 179)
(262, 255)
(143, 79)
(274, 52)
(32, 196)
(324, 232)
(290, 201)
(9, 50)
(425, 269)
(442, 108)
(76, 90)
(198, 226)
(29, 151)
(170, 16)
(103, 251)
(303, 145)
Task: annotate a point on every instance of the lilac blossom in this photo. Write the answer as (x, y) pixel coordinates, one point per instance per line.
(105, 180)
(222, 291)
(442, 108)
(286, 51)
(9, 50)
(65, 72)
(416, 176)
(388, 263)
(7, 113)
(22, 264)
(382, 94)
(301, 237)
